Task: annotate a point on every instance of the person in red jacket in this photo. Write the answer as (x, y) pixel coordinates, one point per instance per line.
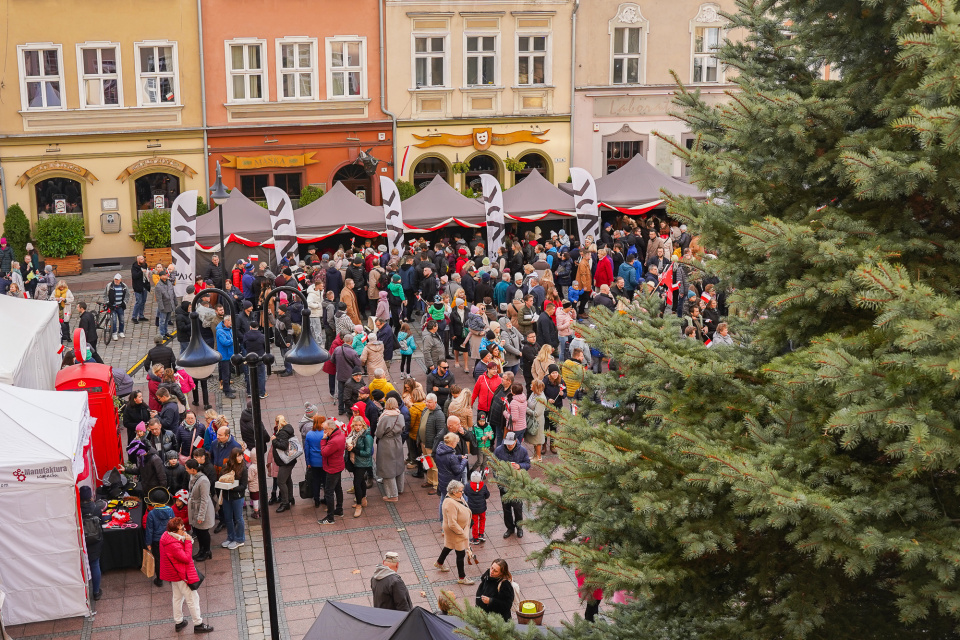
(176, 567)
(485, 388)
(332, 448)
(604, 274)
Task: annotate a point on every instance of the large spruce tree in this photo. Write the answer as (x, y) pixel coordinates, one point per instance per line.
(802, 484)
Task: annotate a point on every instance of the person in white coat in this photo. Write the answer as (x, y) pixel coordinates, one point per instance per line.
(315, 304)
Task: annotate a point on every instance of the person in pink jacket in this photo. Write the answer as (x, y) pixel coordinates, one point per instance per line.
(517, 406)
(177, 568)
(564, 328)
(332, 448)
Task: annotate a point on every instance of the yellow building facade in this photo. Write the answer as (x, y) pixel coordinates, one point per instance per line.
(478, 83)
(100, 114)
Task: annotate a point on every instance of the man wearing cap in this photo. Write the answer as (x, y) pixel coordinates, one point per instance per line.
(514, 453)
(389, 591)
(116, 298)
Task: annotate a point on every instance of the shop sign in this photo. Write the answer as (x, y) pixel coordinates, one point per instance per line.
(481, 139)
(273, 160)
(47, 167)
(161, 163)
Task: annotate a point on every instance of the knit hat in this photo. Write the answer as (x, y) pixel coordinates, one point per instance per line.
(309, 410)
(364, 391)
(377, 395)
(325, 257)
(553, 368)
(86, 493)
(485, 262)
(476, 478)
(381, 248)
(391, 556)
(518, 295)
(395, 277)
(357, 371)
(183, 495)
(247, 304)
(462, 251)
(518, 277)
(170, 455)
(29, 246)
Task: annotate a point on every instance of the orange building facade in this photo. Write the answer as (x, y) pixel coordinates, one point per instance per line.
(293, 95)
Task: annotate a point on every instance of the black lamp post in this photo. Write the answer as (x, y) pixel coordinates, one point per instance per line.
(220, 196)
(306, 357)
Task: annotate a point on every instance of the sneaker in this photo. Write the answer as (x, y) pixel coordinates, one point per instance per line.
(329, 520)
(226, 544)
(180, 626)
(123, 335)
(475, 541)
(235, 545)
(466, 581)
(262, 396)
(483, 537)
(202, 628)
(350, 490)
(116, 336)
(442, 568)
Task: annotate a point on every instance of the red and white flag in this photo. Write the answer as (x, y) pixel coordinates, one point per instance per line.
(198, 442)
(574, 409)
(666, 280)
(707, 342)
(427, 462)
(705, 296)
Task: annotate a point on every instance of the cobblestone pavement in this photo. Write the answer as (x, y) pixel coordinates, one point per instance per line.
(313, 563)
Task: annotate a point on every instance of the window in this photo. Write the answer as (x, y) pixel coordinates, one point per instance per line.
(481, 60)
(156, 191)
(426, 170)
(251, 185)
(626, 55)
(298, 68)
(246, 71)
(430, 55)
(705, 64)
(57, 196)
(345, 69)
(99, 76)
(620, 153)
(532, 60)
(157, 82)
(41, 77)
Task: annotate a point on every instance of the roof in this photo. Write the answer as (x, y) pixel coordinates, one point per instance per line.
(343, 621)
(336, 208)
(636, 183)
(241, 217)
(438, 204)
(30, 331)
(534, 195)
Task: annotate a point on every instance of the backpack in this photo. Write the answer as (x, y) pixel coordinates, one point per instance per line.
(92, 529)
(565, 269)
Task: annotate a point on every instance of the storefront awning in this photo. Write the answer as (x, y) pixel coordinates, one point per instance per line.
(337, 211)
(244, 221)
(636, 185)
(438, 205)
(534, 199)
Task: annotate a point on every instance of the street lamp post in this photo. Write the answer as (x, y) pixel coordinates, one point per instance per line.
(220, 196)
(306, 357)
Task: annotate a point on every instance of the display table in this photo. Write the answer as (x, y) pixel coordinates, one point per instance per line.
(123, 547)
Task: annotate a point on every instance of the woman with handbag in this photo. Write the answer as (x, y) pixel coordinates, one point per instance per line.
(201, 509)
(280, 442)
(457, 519)
(359, 449)
(232, 500)
(177, 568)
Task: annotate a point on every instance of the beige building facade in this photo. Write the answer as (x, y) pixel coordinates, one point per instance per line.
(624, 87)
(100, 114)
(477, 83)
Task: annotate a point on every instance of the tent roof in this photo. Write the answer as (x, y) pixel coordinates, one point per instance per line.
(420, 624)
(241, 216)
(638, 182)
(336, 208)
(42, 427)
(343, 621)
(439, 204)
(533, 195)
(22, 324)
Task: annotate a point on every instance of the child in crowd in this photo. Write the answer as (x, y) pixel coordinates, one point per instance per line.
(253, 482)
(483, 432)
(477, 495)
(407, 347)
(180, 500)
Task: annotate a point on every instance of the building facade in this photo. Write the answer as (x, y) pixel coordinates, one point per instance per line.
(624, 87)
(475, 83)
(293, 95)
(100, 113)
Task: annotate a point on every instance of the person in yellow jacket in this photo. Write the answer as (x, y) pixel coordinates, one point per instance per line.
(380, 382)
(573, 373)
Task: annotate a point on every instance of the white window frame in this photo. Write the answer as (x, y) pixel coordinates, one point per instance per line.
(81, 75)
(629, 16)
(707, 17)
(140, 74)
(446, 58)
(496, 56)
(39, 46)
(230, 72)
(362, 40)
(314, 70)
(547, 62)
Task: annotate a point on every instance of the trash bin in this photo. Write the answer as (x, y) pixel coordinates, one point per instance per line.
(530, 611)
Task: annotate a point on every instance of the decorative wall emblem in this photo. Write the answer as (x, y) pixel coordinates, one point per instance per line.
(629, 14)
(708, 13)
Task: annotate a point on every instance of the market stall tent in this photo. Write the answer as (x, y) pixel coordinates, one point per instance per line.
(246, 226)
(343, 621)
(45, 454)
(29, 343)
(535, 198)
(636, 186)
(337, 211)
(437, 205)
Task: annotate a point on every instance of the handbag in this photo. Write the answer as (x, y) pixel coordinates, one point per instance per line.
(147, 567)
(472, 557)
(294, 451)
(196, 585)
(305, 489)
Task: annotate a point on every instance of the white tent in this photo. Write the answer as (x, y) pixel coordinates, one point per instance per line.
(42, 562)
(29, 343)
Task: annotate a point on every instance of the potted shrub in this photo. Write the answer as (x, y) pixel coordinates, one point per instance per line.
(16, 229)
(310, 193)
(153, 231)
(513, 165)
(405, 189)
(60, 240)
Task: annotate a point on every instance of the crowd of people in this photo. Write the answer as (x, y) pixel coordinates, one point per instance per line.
(502, 350)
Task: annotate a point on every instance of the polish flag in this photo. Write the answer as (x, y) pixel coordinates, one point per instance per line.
(246, 457)
(666, 280)
(198, 442)
(574, 409)
(705, 296)
(427, 462)
(707, 342)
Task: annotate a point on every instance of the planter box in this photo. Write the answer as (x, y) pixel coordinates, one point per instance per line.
(154, 256)
(68, 266)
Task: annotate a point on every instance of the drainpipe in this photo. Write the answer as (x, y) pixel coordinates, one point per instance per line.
(383, 99)
(573, 75)
(203, 107)
(3, 191)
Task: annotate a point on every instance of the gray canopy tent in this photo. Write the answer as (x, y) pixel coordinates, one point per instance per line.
(437, 205)
(534, 198)
(638, 183)
(342, 621)
(243, 221)
(337, 211)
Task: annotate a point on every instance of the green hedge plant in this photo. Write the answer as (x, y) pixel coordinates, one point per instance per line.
(405, 189)
(59, 236)
(309, 194)
(153, 229)
(16, 229)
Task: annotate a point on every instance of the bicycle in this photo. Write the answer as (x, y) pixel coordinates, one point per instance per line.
(104, 321)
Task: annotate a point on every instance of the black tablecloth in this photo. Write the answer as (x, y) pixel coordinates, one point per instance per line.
(123, 548)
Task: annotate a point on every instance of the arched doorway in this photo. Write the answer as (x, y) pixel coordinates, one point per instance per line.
(356, 179)
(480, 164)
(58, 196)
(426, 169)
(156, 191)
(534, 162)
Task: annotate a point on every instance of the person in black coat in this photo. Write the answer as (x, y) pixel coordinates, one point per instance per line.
(334, 280)
(388, 338)
(88, 322)
(282, 435)
(184, 328)
(89, 511)
(159, 354)
(547, 328)
(215, 273)
(177, 477)
(152, 473)
(495, 591)
(134, 412)
(247, 433)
